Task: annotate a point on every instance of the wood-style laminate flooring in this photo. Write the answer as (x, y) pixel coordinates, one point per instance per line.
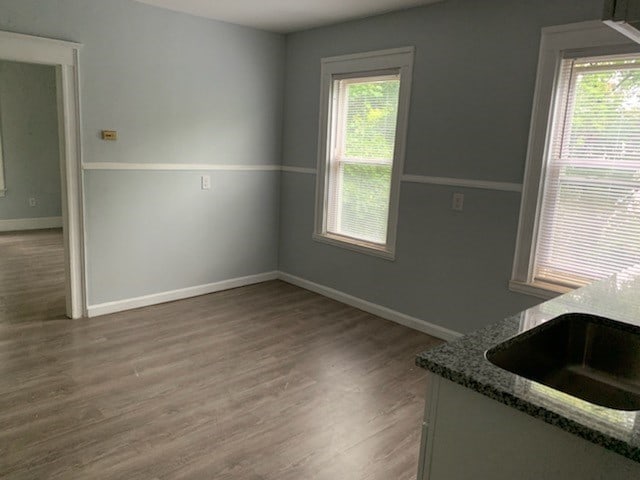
(31, 276)
(263, 382)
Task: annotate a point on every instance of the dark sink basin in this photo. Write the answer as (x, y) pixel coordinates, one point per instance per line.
(590, 357)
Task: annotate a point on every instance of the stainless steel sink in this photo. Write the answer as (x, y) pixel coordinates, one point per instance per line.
(590, 357)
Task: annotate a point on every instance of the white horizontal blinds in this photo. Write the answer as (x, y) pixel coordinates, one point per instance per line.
(590, 213)
(364, 121)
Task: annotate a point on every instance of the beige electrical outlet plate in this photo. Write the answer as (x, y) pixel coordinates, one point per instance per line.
(109, 135)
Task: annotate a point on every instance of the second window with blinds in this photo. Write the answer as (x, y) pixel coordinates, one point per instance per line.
(589, 225)
(364, 107)
(583, 173)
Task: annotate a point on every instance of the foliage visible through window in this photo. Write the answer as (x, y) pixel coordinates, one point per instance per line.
(363, 126)
(590, 211)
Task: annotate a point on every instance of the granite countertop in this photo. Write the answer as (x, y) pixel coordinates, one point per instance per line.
(463, 361)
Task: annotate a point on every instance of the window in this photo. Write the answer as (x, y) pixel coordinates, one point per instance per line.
(364, 107)
(580, 217)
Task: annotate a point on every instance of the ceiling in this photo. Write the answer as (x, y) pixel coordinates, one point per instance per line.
(285, 16)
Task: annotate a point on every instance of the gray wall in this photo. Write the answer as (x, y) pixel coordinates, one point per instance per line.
(472, 93)
(29, 130)
(178, 89)
(185, 90)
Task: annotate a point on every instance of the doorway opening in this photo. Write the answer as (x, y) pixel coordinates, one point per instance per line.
(60, 58)
(31, 236)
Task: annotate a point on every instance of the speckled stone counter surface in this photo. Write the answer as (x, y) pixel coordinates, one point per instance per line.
(463, 361)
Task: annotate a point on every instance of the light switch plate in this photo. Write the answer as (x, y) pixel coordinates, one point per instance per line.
(457, 203)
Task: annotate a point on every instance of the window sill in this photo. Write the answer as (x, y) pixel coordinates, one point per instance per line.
(543, 290)
(355, 245)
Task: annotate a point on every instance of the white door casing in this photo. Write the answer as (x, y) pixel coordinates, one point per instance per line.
(64, 57)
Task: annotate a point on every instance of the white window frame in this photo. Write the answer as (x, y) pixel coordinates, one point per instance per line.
(397, 60)
(558, 42)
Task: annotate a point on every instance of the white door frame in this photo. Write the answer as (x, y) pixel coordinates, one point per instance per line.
(64, 56)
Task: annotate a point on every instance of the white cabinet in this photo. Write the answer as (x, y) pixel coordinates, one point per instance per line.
(624, 16)
(622, 10)
(467, 436)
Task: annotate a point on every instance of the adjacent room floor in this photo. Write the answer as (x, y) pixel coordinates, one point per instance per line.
(31, 276)
(263, 382)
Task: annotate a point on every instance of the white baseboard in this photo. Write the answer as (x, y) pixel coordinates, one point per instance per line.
(18, 224)
(373, 308)
(170, 296)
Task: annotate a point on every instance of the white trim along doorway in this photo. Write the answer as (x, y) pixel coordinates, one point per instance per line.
(64, 57)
